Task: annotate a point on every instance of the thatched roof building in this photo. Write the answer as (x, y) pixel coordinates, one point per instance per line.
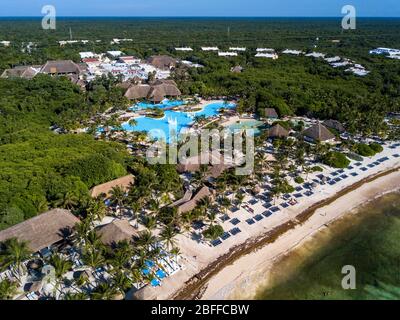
(191, 204)
(277, 131)
(271, 113)
(26, 72)
(318, 132)
(162, 62)
(43, 230)
(105, 188)
(116, 231)
(155, 92)
(61, 67)
(334, 124)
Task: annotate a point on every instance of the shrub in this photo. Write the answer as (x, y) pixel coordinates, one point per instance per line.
(317, 169)
(376, 147)
(336, 160)
(365, 150)
(213, 232)
(299, 180)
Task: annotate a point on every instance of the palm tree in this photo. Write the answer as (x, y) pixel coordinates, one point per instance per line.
(104, 291)
(97, 210)
(204, 204)
(8, 289)
(146, 239)
(67, 200)
(136, 207)
(167, 235)
(136, 276)
(122, 281)
(133, 122)
(61, 267)
(118, 195)
(212, 217)
(93, 258)
(76, 296)
(82, 229)
(150, 223)
(225, 203)
(175, 251)
(14, 254)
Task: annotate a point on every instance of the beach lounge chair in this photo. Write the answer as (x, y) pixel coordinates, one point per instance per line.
(258, 217)
(235, 221)
(284, 205)
(155, 283)
(160, 274)
(216, 243)
(250, 222)
(364, 169)
(225, 236)
(267, 213)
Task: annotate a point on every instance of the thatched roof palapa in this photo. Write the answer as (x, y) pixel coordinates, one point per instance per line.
(277, 131)
(162, 62)
(61, 67)
(271, 113)
(190, 205)
(155, 92)
(43, 230)
(105, 188)
(334, 124)
(318, 132)
(116, 231)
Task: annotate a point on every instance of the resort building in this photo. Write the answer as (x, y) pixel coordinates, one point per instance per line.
(359, 71)
(210, 48)
(114, 54)
(162, 62)
(129, 60)
(265, 50)
(273, 56)
(156, 92)
(227, 54)
(61, 67)
(26, 72)
(44, 230)
(277, 131)
(270, 113)
(118, 230)
(237, 69)
(316, 55)
(320, 133)
(184, 49)
(85, 55)
(192, 204)
(335, 125)
(91, 62)
(237, 49)
(292, 52)
(333, 59)
(105, 188)
(385, 51)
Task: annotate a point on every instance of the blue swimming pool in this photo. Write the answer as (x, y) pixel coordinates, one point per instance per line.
(173, 122)
(164, 104)
(252, 124)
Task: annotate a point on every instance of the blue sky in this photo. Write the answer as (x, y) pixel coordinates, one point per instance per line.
(376, 8)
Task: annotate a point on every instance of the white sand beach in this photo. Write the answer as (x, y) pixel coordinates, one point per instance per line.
(243, 277)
